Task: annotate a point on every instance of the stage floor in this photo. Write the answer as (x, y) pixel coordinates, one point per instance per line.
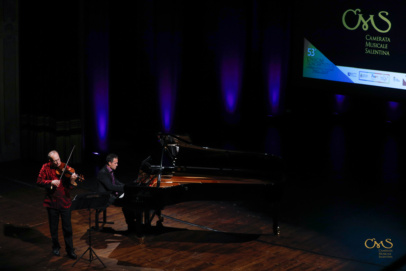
(323, 227)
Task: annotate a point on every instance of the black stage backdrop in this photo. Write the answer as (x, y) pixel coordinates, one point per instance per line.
(143, 39)
(186, 41)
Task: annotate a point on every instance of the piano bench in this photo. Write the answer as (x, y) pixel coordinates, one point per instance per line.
(103, 221)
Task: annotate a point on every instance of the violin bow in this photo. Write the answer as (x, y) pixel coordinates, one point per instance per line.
(66, 164)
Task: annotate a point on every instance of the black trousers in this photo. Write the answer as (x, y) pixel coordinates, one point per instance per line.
(53, 218)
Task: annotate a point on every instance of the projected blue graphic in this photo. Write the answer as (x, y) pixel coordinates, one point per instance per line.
(316, 65)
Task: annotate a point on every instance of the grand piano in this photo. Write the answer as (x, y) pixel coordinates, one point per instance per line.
(180, 171)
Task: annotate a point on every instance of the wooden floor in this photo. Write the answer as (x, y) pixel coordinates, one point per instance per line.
(319, 231)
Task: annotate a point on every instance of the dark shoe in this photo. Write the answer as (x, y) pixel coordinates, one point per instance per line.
(72, 255)
(56, 252)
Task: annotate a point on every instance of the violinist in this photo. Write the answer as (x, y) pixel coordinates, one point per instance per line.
(57, 201)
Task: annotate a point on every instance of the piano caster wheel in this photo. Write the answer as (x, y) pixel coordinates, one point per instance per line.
(277, 231)
(159, 223)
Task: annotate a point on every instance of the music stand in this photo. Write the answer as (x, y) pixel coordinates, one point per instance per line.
(90, 201)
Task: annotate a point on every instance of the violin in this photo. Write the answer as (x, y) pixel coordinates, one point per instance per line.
(68, 173)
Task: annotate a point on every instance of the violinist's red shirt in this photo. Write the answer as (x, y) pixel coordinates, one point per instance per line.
(57, 197)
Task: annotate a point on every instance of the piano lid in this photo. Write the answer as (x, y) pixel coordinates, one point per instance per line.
(179, 156)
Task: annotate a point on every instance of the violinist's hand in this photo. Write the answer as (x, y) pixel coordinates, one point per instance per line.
(56, 183)
(73, 177)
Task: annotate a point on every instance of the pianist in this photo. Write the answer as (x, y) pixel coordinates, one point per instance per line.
(107, 182)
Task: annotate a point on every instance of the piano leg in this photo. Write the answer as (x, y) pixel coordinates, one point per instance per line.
(149, 216)
(275, 219)
(160, 221)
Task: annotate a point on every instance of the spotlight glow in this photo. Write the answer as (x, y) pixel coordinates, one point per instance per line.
(98, 74)
(340, 100)
(393, 105)
(168, 66)
(393, 111)
(230, 56)
(102, 116)
(167, 97)
(274, 85)
(231, 82)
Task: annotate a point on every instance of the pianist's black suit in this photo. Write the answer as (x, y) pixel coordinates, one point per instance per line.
(105, 184)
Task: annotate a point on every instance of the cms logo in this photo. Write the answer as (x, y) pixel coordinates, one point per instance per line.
(356, 18)
(372, 243)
